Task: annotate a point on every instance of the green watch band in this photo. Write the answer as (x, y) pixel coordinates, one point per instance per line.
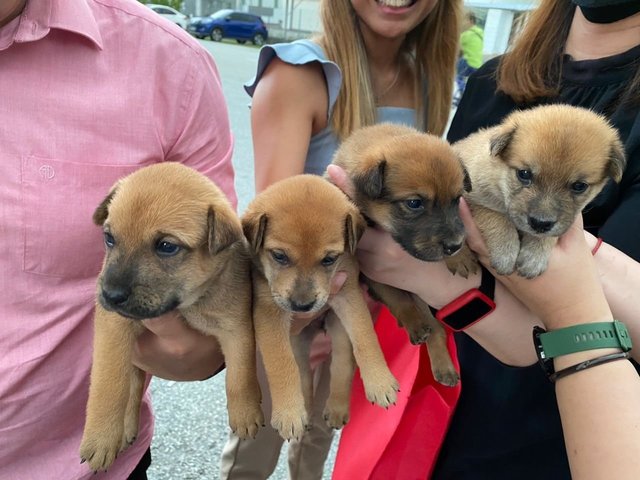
(589, 336)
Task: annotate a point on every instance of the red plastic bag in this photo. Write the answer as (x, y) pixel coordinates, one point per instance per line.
(403, 442)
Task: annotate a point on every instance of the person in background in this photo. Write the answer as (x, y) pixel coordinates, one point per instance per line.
(375, 61)
(506, 423)
(470, 59)
(91, 91)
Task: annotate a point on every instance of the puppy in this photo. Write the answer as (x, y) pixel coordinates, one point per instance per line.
(409, 183)
(302, 230)
(173, 242)
(532, 175)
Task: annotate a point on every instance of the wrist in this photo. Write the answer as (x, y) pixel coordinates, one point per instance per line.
(572, 349)
(442, 287)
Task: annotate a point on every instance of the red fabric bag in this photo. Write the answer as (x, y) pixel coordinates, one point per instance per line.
(403, 442)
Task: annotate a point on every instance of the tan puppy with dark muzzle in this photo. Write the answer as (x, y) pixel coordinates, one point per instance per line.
(532, 175)
(302, 230)
(409, 183)
(173, 242)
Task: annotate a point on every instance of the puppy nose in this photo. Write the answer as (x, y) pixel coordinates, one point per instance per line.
(541, 226)
(451, 248)
(302, 307)
(116, 295)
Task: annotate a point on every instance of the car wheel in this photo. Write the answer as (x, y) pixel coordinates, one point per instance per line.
(258, 39)
(216, 35)
(241, 42)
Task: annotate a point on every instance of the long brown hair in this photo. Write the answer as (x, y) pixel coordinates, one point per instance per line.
(433, 46)
(532, 68)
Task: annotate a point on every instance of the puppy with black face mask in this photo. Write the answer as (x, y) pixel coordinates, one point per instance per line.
(532, 175)
(409, 183)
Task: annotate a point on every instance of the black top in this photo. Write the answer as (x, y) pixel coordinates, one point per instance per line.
(507, 425)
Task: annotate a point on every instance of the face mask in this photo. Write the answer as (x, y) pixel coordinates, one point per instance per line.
(607, 11)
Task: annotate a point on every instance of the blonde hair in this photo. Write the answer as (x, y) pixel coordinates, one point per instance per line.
(432, 46)
(532, 68)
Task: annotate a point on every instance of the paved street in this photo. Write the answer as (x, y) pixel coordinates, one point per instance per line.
(191, 419)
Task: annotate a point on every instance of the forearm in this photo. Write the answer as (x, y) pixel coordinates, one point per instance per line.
(620, 278)
(505, 333)
(600, 418)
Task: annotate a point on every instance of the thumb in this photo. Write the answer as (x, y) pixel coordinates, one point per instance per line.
(339, 177)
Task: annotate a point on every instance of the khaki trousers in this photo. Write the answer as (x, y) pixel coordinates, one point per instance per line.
(256, 459)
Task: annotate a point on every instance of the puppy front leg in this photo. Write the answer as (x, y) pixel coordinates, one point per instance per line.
(241, 382)
(132, 414)
(441, 364)
(380, 385)
(501, 237)
(289, 415)
(533, 258)
(404, 309)
(301, 345)
(109, 392)
(336, 410)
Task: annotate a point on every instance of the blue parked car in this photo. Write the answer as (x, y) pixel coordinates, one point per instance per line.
(240, 26)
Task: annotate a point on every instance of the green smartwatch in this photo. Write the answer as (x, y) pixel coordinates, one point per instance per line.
(579, 338)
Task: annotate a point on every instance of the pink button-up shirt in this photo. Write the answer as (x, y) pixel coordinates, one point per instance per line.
(90, 90)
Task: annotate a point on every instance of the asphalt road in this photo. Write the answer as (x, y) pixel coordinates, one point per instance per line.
(191, 418)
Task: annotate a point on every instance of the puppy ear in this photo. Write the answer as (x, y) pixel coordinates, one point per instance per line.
(371, 182)
(354, 226)
(466, 181)
(224, 230)
(254, 227)
(102, 212)
(499, 142)
(617, 161)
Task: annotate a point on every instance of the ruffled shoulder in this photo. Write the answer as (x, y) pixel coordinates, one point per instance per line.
(299, 52)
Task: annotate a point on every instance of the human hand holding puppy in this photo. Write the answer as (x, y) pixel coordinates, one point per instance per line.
(568, 292)
(172, 350)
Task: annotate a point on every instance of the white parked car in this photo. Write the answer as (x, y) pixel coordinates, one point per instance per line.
(170, 14)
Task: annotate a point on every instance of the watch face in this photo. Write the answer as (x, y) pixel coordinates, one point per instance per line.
(545, 362)
(470, 312)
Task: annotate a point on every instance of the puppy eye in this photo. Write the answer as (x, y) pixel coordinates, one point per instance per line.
(109, 241)
(167, 249)
(329, 260)
(280, 257)
(579, 187)
(525, 176)
(414, 203)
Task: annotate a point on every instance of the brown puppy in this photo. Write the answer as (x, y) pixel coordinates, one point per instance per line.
(302, 230)
(409, 184)
(173, 242)
(532, 175)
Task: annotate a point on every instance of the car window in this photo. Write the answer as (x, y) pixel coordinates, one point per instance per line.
(163, 11)
(220, 14)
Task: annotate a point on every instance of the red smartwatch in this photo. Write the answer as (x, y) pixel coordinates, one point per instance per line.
(470, 307)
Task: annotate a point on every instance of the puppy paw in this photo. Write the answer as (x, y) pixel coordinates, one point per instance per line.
(418, 333)
(290, 424)
(335, 414)
(448, 377)
(530, 266)
(503, 265)
(246, 420)
(99, 450)
(463, 263)
(382, 391)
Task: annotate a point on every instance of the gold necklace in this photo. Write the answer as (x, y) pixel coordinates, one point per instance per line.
(390, 86)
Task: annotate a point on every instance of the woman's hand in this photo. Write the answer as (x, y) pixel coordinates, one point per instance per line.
(569, 292)
(168, 348)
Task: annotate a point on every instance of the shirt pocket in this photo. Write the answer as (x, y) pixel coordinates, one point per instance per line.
(58, 201)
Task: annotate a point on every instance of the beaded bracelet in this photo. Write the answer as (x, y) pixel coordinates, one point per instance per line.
(597, 246)
(588, 364)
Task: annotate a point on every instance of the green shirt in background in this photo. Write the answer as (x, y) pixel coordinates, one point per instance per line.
(471, 41)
